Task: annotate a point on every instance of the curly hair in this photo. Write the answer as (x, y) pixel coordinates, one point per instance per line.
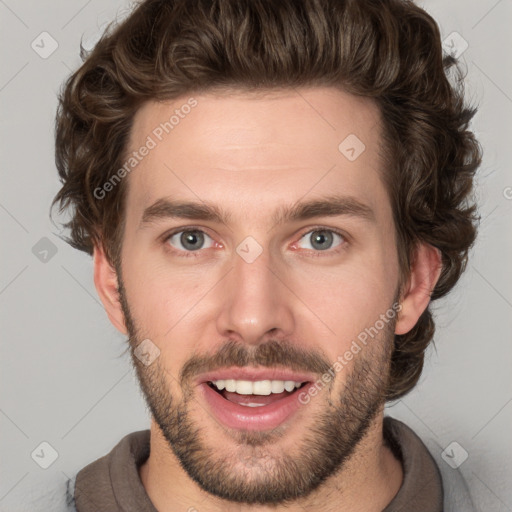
(387, 50)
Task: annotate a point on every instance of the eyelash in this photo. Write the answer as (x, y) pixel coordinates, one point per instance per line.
(192, 254)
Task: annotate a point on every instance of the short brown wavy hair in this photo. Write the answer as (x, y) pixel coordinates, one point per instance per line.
(386, 50)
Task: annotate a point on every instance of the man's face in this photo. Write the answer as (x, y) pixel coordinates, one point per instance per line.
(254, 294)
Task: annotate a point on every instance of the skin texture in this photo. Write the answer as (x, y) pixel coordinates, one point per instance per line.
(250, 154)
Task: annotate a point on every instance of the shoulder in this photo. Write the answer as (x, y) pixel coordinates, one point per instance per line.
(456, 494)
(113, 481)
(456, 491)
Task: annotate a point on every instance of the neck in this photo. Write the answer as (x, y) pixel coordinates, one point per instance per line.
(368, 481)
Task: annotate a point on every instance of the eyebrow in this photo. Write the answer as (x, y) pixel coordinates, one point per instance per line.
(330, 206)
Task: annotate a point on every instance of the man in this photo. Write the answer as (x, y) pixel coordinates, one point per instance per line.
(273, 192)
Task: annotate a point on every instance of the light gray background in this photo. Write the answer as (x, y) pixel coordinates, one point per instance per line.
(62, 378)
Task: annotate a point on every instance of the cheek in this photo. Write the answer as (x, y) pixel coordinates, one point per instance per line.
(162, 308)
(155, 296)
(346, 300)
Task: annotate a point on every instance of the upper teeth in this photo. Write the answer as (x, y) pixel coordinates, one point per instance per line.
(259, 387)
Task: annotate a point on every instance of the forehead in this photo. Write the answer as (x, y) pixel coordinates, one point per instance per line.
(255, 146)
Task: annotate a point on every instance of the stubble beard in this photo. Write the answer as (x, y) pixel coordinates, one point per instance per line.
(252, 469)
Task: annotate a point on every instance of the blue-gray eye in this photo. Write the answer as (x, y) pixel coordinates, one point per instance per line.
(191, 240)
(321, 239)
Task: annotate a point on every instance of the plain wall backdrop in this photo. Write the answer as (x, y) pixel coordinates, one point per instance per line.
(63, 379)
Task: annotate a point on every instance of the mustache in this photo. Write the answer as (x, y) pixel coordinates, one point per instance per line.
(273, 354)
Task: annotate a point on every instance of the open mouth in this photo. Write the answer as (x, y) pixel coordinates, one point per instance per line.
(254, 398)
(255, 393)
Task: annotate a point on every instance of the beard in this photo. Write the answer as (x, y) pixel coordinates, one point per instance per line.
(257, 471)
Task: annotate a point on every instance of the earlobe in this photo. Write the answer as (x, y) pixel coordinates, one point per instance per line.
(425, 271)
(105, 280)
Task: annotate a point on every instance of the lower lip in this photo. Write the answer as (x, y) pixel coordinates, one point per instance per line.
(252, 418)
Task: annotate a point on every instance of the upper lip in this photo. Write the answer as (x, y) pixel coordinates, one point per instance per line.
(254, 374)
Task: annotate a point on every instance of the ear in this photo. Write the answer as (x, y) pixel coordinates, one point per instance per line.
(105, 280)
(425, 271)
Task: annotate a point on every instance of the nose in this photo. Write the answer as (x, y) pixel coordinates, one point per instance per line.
(256, 303)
